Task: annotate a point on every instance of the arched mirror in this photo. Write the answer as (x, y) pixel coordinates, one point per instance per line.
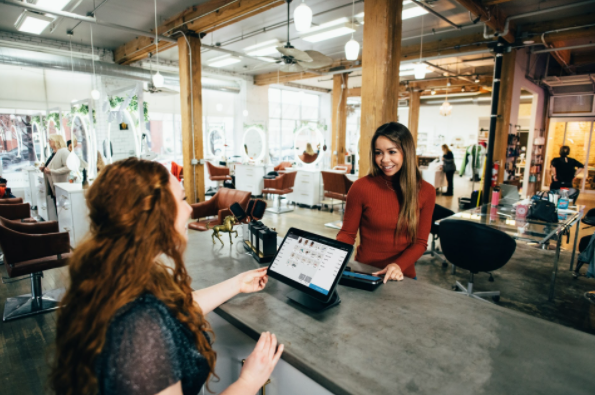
(80, 131)
(16, 143)
(216, 141)
(308, 145)
(38, 142)
(122, 135)
(254, 143)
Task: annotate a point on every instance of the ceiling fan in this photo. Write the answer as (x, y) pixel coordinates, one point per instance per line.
(295, 60)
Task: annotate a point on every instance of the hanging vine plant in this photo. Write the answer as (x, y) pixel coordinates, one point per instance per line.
(115, 102)
(54, 116)
(83, 109)
(36, 119)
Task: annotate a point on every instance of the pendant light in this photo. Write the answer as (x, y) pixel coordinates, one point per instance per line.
(157, 78)
(446, 107)
(421, 68)
(94, 93)
(352, 46)
(302, 17)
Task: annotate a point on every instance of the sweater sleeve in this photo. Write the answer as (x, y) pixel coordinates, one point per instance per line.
(354, 207)
(416, 250)
(60, 159)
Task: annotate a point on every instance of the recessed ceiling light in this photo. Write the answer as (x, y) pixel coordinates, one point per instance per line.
(263, 49)
(223, 61)
(32, 22)
(56, 5)
(337, 28)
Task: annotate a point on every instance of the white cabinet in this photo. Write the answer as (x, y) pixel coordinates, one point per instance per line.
(306, 189)
(73, 215)
(233, 345)
(32, 176)
(250, 178)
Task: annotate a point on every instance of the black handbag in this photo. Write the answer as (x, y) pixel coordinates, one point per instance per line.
(543, 210)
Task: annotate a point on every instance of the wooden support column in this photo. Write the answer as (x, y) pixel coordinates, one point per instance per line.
(191, 108)
(414, 104)
(339, 119)
(504, 110)
(380, 71)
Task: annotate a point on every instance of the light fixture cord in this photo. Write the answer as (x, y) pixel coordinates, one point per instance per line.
(92, 54)
(71, 62)
(156, 35)
(422, 38)
(352, 15)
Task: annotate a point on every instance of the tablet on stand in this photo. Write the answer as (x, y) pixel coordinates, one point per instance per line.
(312, 264)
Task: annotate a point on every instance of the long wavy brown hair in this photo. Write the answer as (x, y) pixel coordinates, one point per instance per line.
(132, 214)
(407, 182)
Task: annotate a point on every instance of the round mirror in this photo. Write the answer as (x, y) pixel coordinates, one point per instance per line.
(83, 149)
(308, 145)
(216, 142)
(254, 143)
(38, 142)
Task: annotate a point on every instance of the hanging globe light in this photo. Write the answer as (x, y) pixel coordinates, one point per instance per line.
(158, 80)
(352, 49)
(445, 108)
(420, 71)
(302, 17)
(95, 94)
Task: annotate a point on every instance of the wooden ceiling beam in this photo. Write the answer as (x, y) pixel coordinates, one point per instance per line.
(493, 2)
(202, 18)
(559, 23)
(443, 82)
(491, 16)
(446, 47)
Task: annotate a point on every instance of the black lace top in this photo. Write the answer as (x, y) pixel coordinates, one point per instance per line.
(147, 350)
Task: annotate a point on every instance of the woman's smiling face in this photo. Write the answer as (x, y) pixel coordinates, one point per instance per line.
(388, 156)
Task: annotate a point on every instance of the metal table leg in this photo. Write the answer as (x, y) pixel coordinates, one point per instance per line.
(555, 271)
(578, 223)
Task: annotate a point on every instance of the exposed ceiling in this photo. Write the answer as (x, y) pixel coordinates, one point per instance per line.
(270, 25)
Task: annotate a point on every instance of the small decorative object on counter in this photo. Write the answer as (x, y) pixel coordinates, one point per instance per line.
(564, 199)
(227, 227)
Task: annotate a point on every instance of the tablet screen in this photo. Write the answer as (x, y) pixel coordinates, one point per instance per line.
(310, 261)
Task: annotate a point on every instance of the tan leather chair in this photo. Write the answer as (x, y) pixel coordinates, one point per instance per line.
(30, 249)
(282, 166)
(11, 200)
(220, 174)
(336, 186)
(16, 211)
(343, 167)
(218, 206)
(282, 185)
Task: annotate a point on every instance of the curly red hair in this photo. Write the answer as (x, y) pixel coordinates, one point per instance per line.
(132, 223)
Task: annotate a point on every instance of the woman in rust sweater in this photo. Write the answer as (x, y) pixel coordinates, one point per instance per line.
(391, 207)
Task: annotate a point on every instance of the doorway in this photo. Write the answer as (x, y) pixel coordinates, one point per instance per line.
(576, 133)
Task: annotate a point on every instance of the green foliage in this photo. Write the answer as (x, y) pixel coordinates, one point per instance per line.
(54, 116)
(36, 119)
(115, 102)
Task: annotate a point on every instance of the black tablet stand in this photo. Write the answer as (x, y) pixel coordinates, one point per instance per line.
(312, 303)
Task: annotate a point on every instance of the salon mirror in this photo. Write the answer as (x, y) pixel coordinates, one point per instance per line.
(308, 145)
(254, 143)
(216, 141)
(122, 135)
(38, 142)
(80, 132)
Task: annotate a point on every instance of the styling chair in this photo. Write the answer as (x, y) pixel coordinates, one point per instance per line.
(345, 167)
(30, 249)
(439, 214)
(281, 185)
(282, 166)
(477, 248)
(218, 206)
(220, 174)
(589, 220)
(336, 187)
(17, 200)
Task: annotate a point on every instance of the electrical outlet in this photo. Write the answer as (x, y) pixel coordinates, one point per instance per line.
(194, 162)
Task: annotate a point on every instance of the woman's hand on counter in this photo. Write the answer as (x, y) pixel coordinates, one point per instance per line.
(253, 280)
(391, 272)
(260, 364)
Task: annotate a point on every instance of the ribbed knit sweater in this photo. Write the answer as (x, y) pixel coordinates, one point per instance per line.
(373, 209)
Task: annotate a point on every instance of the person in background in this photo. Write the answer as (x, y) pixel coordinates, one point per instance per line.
(130, 322)
(56, 170)
(5, 193)
(391, 207)
(564, 169)
(100, 162)
(449, 167)
(309, 155)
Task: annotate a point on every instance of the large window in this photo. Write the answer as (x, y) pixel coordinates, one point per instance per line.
(288, 110)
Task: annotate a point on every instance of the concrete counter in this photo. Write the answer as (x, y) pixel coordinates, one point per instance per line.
(405, 338)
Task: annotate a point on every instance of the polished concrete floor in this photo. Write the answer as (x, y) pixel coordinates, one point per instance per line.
(26, 344)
